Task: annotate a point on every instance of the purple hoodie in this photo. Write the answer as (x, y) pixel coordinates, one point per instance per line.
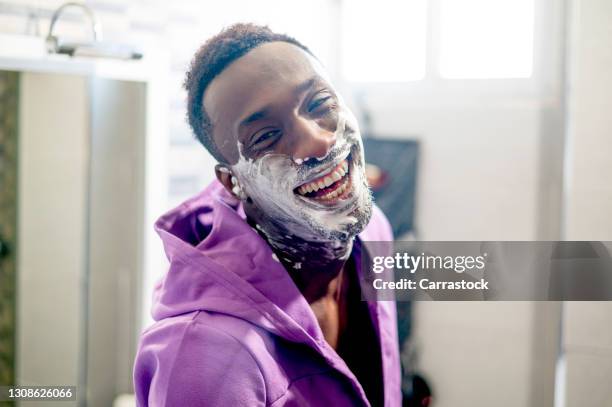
(232, 328)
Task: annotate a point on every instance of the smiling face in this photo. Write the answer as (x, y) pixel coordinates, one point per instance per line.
(292, 146)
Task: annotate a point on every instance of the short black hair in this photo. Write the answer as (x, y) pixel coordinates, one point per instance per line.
(210, 60)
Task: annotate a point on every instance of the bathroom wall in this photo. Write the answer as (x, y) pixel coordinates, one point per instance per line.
(586, 366)
(479, 180)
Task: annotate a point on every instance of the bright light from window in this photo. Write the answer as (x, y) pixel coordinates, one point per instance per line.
(384, 41)
(486, 38)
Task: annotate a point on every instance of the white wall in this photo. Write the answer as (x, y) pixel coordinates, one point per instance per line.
(588, 210)
(587, 341)
(477, 169)
(488, 354)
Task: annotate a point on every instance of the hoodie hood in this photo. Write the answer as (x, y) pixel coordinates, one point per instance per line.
(219, 263)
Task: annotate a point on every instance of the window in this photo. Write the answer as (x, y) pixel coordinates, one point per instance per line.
(486, 38)
(384, 41)
(388, 40)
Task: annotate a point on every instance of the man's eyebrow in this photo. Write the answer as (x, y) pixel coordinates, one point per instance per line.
(307, 84)
(258, 115)
(261, 114)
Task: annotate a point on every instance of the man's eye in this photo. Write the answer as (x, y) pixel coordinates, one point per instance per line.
(265, 139)
(319, 102)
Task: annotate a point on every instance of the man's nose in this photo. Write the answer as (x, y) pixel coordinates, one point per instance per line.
(311, 140)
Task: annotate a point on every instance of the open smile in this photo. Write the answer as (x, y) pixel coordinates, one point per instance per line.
(332, 186)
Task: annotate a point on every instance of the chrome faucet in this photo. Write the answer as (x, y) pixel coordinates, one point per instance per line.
(96, 28)
(95, 48)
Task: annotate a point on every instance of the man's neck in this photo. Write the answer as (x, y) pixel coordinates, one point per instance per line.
(313, 266)
(317, 274)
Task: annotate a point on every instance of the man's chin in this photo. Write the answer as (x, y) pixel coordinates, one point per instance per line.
(349, 226)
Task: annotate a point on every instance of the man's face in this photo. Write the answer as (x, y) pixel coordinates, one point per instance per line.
(291, 144)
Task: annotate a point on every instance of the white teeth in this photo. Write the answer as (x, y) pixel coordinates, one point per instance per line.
(328, 179)
(334, 194)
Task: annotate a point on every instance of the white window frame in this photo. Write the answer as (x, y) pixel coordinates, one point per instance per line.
(543, 85)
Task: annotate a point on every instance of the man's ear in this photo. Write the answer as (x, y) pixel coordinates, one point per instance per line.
(231, 184)
(224, 176)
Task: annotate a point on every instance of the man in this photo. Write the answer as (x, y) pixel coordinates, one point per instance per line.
(262, 302)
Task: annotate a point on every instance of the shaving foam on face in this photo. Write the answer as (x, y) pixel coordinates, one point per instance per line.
(237, 189)
(270, 181)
